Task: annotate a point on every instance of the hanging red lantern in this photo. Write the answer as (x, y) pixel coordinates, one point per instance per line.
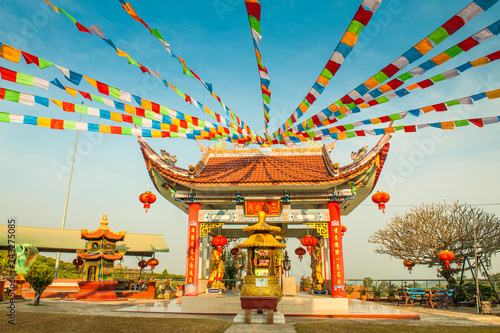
(78, 262)
(234, 251)
(147, 198)
(446, 256)
(381, 198)
(219, 241)
(153, 262)
(343, 229)
(142, 263)
(409, 264)
(309, 242)
(300, 251)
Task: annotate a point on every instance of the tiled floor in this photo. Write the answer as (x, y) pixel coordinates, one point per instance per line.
(357, 309)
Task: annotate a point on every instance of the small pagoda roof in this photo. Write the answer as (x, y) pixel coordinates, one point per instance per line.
(261, 236)
(261, 240)
(262, 226)
(103, 232)
(94, 256)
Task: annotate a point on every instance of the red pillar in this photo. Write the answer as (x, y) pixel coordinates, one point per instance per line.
(336, 255)
(193, 251)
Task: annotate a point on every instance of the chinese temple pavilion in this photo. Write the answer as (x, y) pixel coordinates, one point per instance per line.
(100, 254)
(299, 189)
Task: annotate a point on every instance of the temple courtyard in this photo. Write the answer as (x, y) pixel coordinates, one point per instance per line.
(56, 315)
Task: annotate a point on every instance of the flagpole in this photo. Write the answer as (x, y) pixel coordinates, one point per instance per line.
(58, 257)
(478, 300)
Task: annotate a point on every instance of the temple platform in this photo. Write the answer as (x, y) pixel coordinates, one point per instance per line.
(303, 305)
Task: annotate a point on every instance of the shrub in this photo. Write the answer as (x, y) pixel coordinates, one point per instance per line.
(39, 279)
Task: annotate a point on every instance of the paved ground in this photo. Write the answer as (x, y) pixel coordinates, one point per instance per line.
(458, 317)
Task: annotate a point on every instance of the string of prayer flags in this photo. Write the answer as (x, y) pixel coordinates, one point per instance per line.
(254, 10)
(438, 60)
(97, 31)
(361, 19)
(21, 78)
(105, 89)
(413, 54)
(160, 113)
(164, 123)
(60, 124)
(340, 110)
(448, 75)
(445, 125)
(22, 98)
(186, 70)
(439, 107)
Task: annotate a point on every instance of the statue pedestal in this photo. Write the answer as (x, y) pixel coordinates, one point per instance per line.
(96, 290)
(19, 289)
(289, 286)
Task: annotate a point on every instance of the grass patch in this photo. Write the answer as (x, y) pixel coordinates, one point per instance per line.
(28, 322)
(369, 327)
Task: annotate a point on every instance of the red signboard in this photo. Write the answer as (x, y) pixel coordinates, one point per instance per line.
(271, 208)
(193, 251)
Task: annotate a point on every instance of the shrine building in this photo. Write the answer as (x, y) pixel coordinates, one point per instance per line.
(299, 189)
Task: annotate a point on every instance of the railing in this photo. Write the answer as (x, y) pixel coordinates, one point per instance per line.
(414, 283)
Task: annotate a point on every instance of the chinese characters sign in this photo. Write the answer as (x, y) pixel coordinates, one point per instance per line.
(271, 208)
(191, 258)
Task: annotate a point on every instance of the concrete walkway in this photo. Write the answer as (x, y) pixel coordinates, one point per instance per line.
(453, 317)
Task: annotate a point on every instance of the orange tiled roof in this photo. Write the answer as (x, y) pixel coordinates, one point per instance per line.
(310, 166)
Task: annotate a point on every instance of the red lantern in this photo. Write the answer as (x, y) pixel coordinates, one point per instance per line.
(78, 262)
(309, 242)
(147, 198)
(142, 263)
(408, 264)
(343, 229)
(219, 241)
(447, 256)
(153, 262)
(300, 251)
(234, 251)
(381, 198)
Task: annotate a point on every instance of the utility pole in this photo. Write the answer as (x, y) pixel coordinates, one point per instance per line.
(58, 257)
(478, 300)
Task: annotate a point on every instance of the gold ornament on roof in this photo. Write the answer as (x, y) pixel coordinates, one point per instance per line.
(261, 235)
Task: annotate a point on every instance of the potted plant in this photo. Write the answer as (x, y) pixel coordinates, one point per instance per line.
(348, 292)
(391, 293)
(376, 294)
(362, 293)
(305, 283)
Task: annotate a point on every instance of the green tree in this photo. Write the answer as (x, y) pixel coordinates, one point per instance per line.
(422, 233)
(230, 270)
(39, 278)
(164, 274)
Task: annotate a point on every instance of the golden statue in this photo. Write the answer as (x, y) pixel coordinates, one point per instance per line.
(216, 268)
(317, 265)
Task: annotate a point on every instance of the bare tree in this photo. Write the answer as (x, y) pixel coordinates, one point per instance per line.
(420, 234)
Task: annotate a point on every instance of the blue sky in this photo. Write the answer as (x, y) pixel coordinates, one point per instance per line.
(214, 39)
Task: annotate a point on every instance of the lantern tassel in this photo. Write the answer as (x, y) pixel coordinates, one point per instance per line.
(381, 206)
